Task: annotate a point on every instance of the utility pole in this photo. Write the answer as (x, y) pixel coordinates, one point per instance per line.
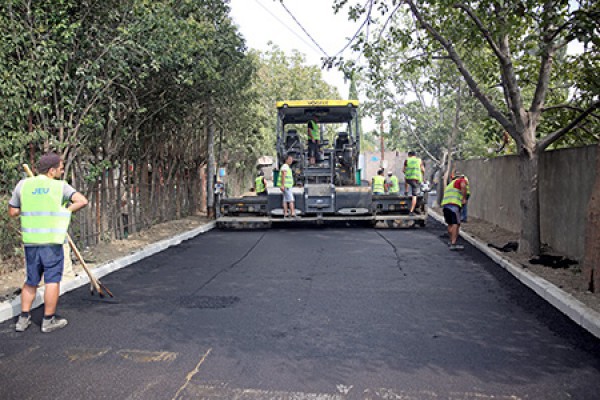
(381, 136)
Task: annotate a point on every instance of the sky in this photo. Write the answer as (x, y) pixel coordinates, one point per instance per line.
(261, 21)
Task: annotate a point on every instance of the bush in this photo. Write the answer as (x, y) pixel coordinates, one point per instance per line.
(10, 239)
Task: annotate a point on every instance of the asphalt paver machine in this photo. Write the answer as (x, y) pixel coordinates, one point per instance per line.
(330, 188)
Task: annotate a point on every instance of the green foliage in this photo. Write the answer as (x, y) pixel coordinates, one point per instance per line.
(10, 240)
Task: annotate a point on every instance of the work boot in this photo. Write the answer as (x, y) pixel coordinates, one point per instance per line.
(455, 247)
(52, 324)
(23, 323)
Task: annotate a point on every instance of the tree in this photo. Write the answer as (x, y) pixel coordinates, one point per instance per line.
(517, 44)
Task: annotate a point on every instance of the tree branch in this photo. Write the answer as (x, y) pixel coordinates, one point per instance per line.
(473, 86)
(486, 33)
(553, 137)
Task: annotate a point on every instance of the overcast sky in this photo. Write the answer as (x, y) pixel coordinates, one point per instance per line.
(261, 21)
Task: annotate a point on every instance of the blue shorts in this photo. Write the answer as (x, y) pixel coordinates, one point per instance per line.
(47, 261)
(452, 214)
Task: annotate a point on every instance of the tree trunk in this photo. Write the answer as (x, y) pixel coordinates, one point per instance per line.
(210, 191)
(591, 260)
(529, 242)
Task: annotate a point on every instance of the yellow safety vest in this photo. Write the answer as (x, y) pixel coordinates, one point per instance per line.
(259, 184)
(452, 195)
(313, 131)
(289, 177)
(413, 169)
(395, 188)
(44, 219)
(378, 184)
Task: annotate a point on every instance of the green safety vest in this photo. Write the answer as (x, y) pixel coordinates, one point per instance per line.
(289, 178)
(452, 195)
(395, 188)
(468, 186)
(259, 184)
(313, 131)
(413, 169)
(44, 219)
(378, 184)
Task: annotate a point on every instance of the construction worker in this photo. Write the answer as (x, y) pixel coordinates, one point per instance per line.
(40, 202)
(392, 185)
(260, 184)
(313, 140)
(413, 176)
(378, 183)
(455, 196)
(287, 183)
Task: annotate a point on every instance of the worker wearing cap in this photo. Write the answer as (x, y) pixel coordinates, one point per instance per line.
(455, 195)
(260, 185)
(413, 176)
(393, 187)
(378, 183)
(40, 202)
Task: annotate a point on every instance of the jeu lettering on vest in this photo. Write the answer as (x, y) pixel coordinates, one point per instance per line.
(41, 191)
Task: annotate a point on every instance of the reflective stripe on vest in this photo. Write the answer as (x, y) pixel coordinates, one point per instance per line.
(413, 169)
(44, 220)
(452, 195)
(378, 184)
(259, 185)
(395, 188)
(289, 178)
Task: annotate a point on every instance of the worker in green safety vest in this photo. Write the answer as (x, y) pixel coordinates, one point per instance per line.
(286, 182)
(260, 185)
(313, 140)
(45, 204)
(392, 185)
(455, 196)
(378, 183)
(413, 176)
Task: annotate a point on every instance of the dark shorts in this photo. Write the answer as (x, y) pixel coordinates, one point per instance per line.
(313, 147)
(415, 186)
(452, 214)
(47, 260)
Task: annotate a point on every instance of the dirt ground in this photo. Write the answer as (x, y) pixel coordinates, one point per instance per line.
(568, 279)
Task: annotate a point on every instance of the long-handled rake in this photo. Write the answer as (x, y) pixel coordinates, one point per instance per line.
(94, 282)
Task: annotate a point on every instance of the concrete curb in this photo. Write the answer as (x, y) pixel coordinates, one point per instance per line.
(561, 300)
(11, 309)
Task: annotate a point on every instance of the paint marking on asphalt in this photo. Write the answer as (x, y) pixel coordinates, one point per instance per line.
(144, 356)
(391, 394)
(191, 374)
(85, 354)
(208, 392)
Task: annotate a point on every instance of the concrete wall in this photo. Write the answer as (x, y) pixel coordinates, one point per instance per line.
(566, 180)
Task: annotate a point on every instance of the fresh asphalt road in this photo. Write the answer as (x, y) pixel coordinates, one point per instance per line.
(286, 313)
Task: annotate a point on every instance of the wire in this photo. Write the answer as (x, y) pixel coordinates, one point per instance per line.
(287, 27)
(304, 30)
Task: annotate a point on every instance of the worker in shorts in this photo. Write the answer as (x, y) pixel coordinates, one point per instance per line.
(287, 183)
(41, 203)
(413, 176)
(455, 195)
